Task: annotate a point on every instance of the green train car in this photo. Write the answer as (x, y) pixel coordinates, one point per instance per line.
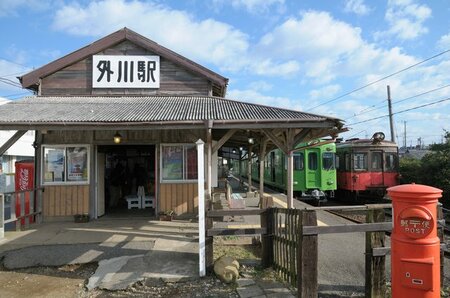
(314, 170)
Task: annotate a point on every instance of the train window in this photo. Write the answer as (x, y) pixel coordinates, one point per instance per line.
(328, 161)
(360, 161)
(391, 161)
(346, 162)
(376, 160)
(312, 161)
(337, 162)
(298, 161)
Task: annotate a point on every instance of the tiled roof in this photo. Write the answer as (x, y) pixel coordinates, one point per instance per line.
(147, 109)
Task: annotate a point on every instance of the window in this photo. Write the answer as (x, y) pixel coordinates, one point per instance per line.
(312, 161)
(178, 162)
(298, 161)
(377, 161)
(391, 161)
(65, 164)
(328, 161)
(360, 161)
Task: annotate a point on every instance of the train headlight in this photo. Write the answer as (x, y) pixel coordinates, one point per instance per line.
(295, 182)
(330, 182)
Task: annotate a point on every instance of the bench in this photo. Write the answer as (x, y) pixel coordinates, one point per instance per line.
(148, 202)
(133, 201)
(235, 200)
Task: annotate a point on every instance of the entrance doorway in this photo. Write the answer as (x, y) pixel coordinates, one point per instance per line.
(128, 185)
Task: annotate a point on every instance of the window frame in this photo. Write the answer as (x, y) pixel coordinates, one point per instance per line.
(365, 161)
(65, 147)
(184, 165)
(333, 161)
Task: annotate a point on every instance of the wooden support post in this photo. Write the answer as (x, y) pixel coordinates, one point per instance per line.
(440, 234)
(267, 239)
(290, 179)
(307, 258)
(249, 168)
(209, 252)
(262, 154)
(2, 216)
(375, 265)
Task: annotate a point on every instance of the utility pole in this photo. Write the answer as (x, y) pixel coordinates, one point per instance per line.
(404, 136)
(391, 119)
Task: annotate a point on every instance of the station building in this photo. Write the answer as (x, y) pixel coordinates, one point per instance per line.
(121, 116)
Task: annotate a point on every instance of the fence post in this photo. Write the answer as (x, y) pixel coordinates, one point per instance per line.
(267, 239)
(440, 234)
(209, 241)
(307, 258)
(2, 216)
(375, 265)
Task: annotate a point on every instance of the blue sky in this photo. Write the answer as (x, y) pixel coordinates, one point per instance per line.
(303, 55)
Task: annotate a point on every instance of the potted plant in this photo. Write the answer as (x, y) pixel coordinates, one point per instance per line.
(166, 215)
(78, 218)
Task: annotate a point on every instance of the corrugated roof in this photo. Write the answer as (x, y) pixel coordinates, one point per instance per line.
(148, 109)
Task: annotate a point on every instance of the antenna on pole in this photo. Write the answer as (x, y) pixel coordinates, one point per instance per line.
(391, 119)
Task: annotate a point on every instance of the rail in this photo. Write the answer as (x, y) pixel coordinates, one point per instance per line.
(21, 208)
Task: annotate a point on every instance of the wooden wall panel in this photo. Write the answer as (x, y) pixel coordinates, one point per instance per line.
(65, 200)
(179, 197)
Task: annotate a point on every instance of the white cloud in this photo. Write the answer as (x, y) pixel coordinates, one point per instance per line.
(444, 42)
(175, 29)
(261, 85)
(254, 96)
(268, 68)
(253, 6)
(357, 6)
(314, 34)
(406, 19)
(326, 92)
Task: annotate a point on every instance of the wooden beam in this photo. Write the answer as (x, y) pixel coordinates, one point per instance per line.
(12, 141)
(226, 232)
(223, 140)
(262, 155)
(372, 227)
(301, 135)
(237, 212)
(278, 142)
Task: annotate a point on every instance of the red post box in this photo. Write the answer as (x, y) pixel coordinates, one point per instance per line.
(415, 246)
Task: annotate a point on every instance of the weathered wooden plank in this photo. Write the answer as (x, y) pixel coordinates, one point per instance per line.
(80, 200)
(69, 200)
(375, 266)
(372, 227)
(51, 210)
(74, 200)
(85, 199)
(235, 212)
(181, 195)
(307, 281)
(226, 232)
(63, 200)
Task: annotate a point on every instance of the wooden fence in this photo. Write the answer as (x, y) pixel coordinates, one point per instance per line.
(30, 204)
(290, 243)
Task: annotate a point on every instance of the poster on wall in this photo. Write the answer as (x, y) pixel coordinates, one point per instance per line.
(56, 164)
(77, 164)
(172, 157)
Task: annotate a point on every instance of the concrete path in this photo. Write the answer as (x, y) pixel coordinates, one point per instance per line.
(127, 250)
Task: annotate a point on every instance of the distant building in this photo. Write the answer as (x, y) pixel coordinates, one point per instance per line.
(21, 150)
(412, 152)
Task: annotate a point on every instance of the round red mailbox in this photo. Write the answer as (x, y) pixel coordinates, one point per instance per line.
(415, 246)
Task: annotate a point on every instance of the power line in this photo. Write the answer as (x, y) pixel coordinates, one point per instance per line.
(10, 82)
(365, 111)
(379, 80)
(10, 61)
(399, 112)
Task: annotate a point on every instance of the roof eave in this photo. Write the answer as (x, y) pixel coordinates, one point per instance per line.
(31, 79)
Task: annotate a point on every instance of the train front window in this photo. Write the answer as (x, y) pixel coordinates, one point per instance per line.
(298, 161)
(391, 161)
(360, 161)
(328, 161)
(312, 161)
(376, 160)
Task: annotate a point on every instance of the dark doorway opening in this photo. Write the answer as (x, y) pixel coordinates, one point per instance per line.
(129, 179)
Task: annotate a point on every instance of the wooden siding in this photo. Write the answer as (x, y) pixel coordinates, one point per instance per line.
(64, 200)
(181, 198)
(76, 79)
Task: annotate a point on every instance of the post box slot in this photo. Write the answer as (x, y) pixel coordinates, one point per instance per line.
(417, 273)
